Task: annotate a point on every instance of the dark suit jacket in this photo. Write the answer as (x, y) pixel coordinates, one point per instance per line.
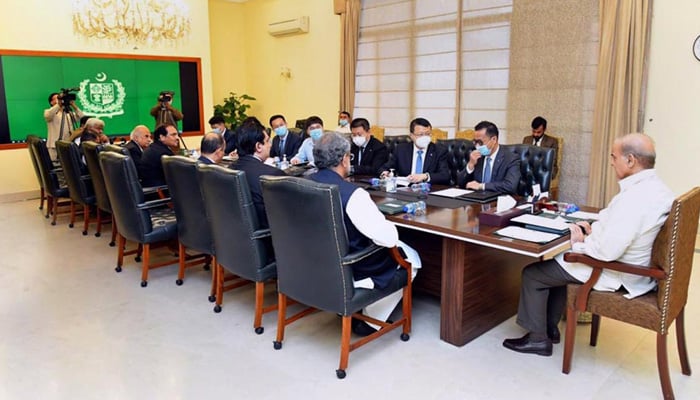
(375, 155)
(434, 163)
(205, 160)
(505, 173)
(231, 141)
(292, 143)
(151, 169)
(253, 169)
(547, 141)
(135, 152)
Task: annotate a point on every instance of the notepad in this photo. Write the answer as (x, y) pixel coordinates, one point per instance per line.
(451, 192)
(529, 235)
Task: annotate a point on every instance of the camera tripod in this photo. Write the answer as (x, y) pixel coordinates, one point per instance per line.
(67, 115)
(165, 116)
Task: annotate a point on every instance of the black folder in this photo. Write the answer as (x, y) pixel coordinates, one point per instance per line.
(480, 196)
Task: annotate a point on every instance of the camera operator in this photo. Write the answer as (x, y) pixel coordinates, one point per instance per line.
(54, 116)
(164, 112)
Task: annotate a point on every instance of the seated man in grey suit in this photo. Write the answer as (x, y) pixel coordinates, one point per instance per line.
(490, 167)
(541, 139)
(253, 148)
(421, 160)
(212, 148)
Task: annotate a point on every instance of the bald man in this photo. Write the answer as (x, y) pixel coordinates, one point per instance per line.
(625, 232)
(140, 140)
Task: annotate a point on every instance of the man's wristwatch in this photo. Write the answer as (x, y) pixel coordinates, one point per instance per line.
(427, 177)
(482, 186)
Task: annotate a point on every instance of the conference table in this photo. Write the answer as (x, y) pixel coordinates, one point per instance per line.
(474, 272)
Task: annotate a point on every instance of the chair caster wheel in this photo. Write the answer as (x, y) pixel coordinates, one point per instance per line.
(212, 298)
(405, 337)
(84, 233)
(277, 345)
(217, 308)
(53, 223)
(137, 259)
(46, 216)
(178, 282)
(98, 234)
(207, 267)
(112, 244)
(144, 283)
(118, 269)
(259, 330)
(70, 225)
(340, 373)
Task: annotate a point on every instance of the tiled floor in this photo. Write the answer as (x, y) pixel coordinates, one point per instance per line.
(72, 328)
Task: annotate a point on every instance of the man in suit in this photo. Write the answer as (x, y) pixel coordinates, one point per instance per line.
(541, 139)
(218, 125)
(140, 140)
(151, 169)
(284, 142)
(212, 148)
(369, 154)
(253, 149)
(421, 160)
(490, 167)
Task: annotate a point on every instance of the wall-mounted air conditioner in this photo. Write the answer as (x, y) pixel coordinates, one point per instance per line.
(296, 25)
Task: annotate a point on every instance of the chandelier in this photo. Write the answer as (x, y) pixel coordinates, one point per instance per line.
(132, 21)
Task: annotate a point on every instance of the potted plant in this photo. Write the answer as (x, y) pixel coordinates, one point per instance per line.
(234, 109)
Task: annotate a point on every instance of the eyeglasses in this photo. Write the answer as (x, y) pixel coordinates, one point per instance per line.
(479, 142)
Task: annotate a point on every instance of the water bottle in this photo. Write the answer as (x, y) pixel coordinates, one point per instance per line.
(391, 182)
(284, 164)
(415, 208)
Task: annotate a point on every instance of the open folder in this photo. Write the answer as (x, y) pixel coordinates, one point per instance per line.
(557, 226)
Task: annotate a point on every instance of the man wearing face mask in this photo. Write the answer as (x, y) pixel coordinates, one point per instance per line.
(420, 161)
(344, 119)
(314, 127)
(490, 167)
(369, 154)
(285, 142)
(218, 125)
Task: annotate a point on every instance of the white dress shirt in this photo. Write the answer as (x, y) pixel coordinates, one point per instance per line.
(492, 156)
(367, 218)
(625, 232)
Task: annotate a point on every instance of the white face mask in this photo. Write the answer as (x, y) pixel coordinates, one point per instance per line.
(422, 142)
(359, 140)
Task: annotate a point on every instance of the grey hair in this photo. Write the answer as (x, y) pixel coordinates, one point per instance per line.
(92, 122)
(641, 146)
(138, 129)
(330, 150)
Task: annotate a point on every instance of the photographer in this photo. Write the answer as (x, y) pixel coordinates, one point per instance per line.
(54, 116)
(164, 112)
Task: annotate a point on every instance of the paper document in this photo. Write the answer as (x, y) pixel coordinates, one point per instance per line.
(402, 181)
(529, 235)
(559, 224)
(584, 215)
(451, 192)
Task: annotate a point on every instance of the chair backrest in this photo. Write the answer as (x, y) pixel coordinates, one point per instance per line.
(116, 148)
(183, 184)
(35, 163)
(309, 254)
(232, 220)
(673, 251)
(91, 152)
(457, 155)
(46, 167)
(79, 188)
(438, 134)
(392, 141)
(467, 134)
(125, 195)
(377, 132)
(536, 164)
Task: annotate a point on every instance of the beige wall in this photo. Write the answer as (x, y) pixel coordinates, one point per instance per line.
(228, 50)
(46, 25)
(673, 105)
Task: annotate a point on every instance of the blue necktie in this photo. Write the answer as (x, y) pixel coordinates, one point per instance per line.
(487, 170)
(419, 162)
(282, 146)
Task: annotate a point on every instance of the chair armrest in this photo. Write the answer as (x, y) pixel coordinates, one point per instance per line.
(85, 178)
(154, 189)
(352, 258)
(153, 204)
(400, 258)
(650, 271)
(261, 234)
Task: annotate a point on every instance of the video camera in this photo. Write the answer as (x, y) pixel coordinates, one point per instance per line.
(165, 96)
(65, 96)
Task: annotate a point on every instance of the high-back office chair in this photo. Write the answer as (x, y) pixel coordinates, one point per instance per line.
(392, 141)
(91, 151)
(35, 164)
(79, 184)
(671, 265)
(192, 225)
(324, 278)
(50, 179)
(467, 134)
(438, 134)
(144, 222)
(457, 156)
(536, 166)
(241, 246)
(377, 132)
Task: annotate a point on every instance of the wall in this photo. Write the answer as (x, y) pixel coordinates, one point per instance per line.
(47, 26)
(228, 50)
(672, 115)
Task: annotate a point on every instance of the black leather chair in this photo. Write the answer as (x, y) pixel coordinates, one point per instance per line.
(35, 164)
(91, 151)
(457, 155)
(192, 226)
(50, 179)
(146, 223)
(322, 278)
(392, 141)
(242, 248)
(536, 166)
(79, 182)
